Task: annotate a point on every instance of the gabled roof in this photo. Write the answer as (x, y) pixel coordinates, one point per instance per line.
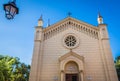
(70, 19)
(70, 22)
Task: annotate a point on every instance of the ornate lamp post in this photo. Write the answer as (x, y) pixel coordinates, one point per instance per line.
(10, 9)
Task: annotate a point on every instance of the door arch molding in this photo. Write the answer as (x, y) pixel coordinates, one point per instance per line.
(71, 57)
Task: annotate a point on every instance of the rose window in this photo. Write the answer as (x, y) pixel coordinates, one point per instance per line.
(70, 41)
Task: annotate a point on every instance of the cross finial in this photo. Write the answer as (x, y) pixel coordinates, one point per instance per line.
(69, 14)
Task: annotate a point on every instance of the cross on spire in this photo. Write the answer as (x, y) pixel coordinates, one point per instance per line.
(69, 14)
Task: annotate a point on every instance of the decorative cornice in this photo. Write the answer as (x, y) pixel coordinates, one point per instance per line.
(70, 22)
(70, 19)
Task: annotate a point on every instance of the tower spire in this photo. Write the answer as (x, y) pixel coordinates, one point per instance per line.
(40, 21)
(41, 17)
(48, 23)
(99, 15)
(100, 19)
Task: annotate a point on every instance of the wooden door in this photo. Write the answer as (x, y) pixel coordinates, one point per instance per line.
(71, 77)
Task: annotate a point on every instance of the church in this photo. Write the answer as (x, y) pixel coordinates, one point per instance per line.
(72, 50)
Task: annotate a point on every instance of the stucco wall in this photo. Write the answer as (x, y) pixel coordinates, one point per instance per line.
(88, 48)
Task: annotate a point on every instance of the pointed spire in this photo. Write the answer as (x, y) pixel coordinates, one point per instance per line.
(48, 23)
(40, 21)
(100, 19)
(99, 16)
(41, 17)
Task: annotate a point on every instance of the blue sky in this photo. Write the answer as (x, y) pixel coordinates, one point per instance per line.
(17, 35)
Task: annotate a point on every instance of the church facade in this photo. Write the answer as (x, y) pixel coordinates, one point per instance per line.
(72, 50)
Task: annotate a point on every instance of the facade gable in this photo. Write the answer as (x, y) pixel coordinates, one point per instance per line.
(70, 23)
(74, 49)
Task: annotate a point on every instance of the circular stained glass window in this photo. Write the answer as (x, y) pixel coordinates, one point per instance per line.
(70, 41)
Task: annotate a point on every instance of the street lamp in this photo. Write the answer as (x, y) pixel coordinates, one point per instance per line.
(10, 9)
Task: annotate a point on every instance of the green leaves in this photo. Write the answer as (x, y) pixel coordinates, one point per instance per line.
(2, 78)
(11, 69)
(117, 65)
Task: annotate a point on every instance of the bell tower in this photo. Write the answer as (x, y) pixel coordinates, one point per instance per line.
(40, 21)
(108, 62)
(37, 52)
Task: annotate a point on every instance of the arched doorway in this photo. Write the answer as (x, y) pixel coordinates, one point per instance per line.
(71, 67)
(71, 71)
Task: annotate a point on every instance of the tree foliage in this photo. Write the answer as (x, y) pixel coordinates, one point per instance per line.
(11, 69)
(117, 65)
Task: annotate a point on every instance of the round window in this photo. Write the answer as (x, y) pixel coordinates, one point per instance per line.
(70, 41)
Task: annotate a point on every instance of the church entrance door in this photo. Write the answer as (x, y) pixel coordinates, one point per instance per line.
(71, 77)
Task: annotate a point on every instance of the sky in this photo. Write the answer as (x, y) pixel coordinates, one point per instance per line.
(17, 35)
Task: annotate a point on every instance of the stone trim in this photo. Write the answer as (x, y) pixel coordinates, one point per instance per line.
(78, 26)
(71, 54)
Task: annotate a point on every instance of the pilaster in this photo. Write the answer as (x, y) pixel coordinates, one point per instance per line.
(37, 55)
(106, 54)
